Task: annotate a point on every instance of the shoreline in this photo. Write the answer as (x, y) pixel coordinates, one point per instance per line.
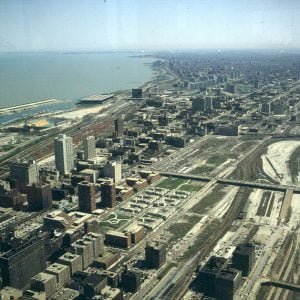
(26, 105)
(19, 108)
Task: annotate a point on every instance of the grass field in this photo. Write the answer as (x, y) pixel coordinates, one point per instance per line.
(171, 183)
(190, 187)
(115, 220)
(244, 88)
(218, 159)
(213, 162)
(204, 169)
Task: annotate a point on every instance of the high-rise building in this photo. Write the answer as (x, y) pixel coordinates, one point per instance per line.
(118, 239)
(119, 127)
(39, 197)
(202, 104)
(19, 264)
(12, 198)
(89, 147)
(63, 150)
(137, 93)
(155, 255)
(227, 283)
(108, 194)
(266, 108)
(24, 173)
(84, 248)
(44, 282)
(98, 242)
(73, 261)
(131, 280)
(113, 170)
(62, 273)
(86, 196)
(243, 258)
(230, 88)
(206, 279)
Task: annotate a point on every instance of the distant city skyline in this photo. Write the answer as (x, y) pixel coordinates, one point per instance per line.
(137, 25)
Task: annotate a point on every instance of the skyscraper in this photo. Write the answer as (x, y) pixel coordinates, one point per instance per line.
(206, 279)
(18, 265)
(24, 173)
(202, 104)
(155, 255)
(243, 258)
(89, 147)
(63, 150)
(119, 127)
(227, 283)
(86, 196)
(39, 197)
(113, 170)
(108, 194)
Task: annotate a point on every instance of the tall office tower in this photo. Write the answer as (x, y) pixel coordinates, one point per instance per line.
(84, 248)
(73, 261)
(39, 197)
(202, 104)
(24, 173)
(86, 196)
(98, 243)
(119, 127)
(63, 150)
(198, 104)
(155, 255)
(113, 170)
(230, 88)
(62, 273)
(243, 258)
(131, 280)
(108, 194)
(44, 282)
(89, 147)
(227, 283)
(137, 93)
(19, 264)
(206, 279)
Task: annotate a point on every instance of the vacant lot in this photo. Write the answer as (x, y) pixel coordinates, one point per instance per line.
(209, 200)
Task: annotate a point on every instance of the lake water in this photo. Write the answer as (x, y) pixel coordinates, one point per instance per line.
(26, 78)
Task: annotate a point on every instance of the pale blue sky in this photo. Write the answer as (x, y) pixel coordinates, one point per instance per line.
(71, 25)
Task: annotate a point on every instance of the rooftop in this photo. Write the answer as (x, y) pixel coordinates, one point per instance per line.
(228, 274)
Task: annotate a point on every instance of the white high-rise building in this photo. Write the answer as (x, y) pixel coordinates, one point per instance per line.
(113, 170)
(63, 150)
(89, 147)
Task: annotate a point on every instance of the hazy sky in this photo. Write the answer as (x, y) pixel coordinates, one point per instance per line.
(58, 25)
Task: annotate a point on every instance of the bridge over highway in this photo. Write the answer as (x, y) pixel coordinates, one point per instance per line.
(281, 284)
(257, 185)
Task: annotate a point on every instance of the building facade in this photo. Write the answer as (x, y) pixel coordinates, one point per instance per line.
(63, 150)
(86, 197)
(89, 147)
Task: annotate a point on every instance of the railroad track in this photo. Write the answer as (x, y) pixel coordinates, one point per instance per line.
(44, 147)
(178, 290)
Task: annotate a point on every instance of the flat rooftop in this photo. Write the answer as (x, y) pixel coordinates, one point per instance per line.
(245, 249)
(98, 97)
(228, 274)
